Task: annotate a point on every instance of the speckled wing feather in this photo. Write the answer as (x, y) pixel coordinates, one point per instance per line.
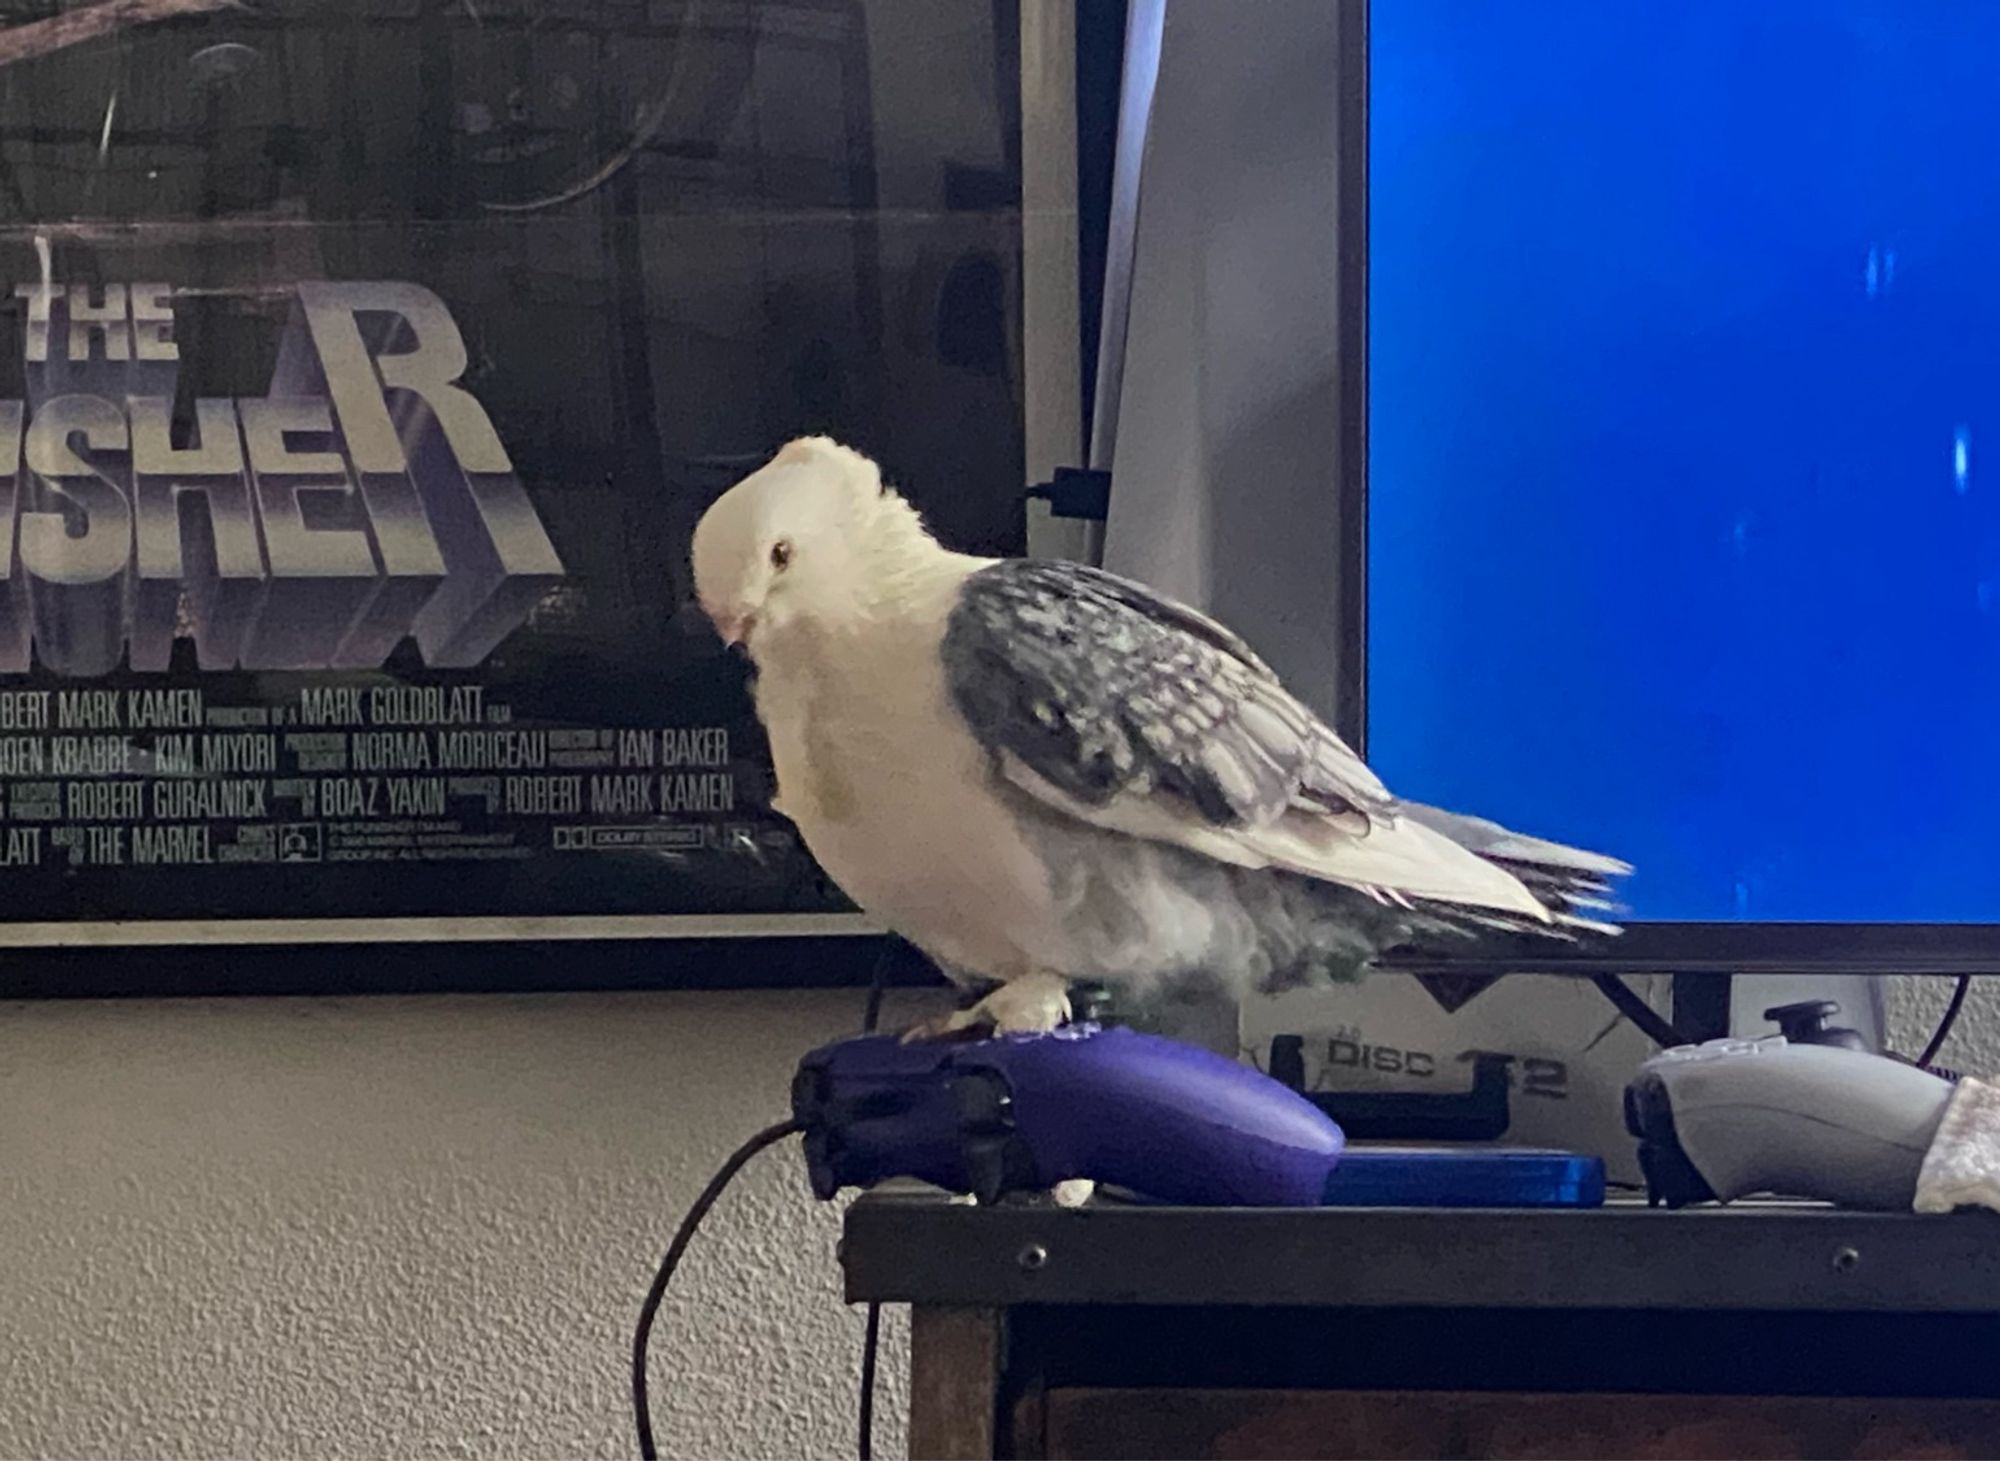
(1114, 706)
(1107, 691)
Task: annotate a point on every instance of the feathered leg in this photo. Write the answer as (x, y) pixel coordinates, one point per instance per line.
(1033, 1004)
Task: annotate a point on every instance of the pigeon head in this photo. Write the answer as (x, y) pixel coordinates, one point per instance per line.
(796, 540)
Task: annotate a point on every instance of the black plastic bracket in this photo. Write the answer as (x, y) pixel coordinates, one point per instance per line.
(1480, 1114)
(1077, 492)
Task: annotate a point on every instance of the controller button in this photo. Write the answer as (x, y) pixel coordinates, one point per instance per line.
(983, 1102)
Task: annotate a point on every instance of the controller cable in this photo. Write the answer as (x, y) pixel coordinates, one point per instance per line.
(642, 1412)
(641, 1409)
(1944, 1024)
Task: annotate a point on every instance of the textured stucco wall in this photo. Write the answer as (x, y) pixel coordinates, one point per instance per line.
(412, 1228)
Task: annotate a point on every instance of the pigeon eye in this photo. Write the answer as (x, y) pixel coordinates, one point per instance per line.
(781, 555)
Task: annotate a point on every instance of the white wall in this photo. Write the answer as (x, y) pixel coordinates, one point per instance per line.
(413, 1228)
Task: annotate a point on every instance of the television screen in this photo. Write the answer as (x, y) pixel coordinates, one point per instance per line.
(1684, 478)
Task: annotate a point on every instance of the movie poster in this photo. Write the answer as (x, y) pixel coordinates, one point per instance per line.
(364, 370)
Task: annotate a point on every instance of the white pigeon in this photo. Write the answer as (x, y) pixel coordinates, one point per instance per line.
(1037, 772)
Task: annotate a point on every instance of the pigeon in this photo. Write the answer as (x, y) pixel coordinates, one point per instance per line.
(1038, 772)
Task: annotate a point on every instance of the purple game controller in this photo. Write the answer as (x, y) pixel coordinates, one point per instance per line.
(1024, 1112)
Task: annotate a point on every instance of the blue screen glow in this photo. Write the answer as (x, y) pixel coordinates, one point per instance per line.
(1684, 489)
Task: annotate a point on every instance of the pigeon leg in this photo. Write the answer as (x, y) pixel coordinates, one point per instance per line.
(1032, 1004)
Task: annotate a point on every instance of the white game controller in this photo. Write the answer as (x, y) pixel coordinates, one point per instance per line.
(1730, 1118)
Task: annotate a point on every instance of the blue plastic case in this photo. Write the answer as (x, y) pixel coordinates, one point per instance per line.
(1409, 1176)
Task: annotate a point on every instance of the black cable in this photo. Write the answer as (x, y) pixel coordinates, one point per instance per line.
(1649, 1020)
(871, 1014)
(871, 1341)
(1946, 1021)
(656, 1295)
(870, 1347)
(641, 1409)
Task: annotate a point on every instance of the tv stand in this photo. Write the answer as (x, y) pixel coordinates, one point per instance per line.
(1706, 1005)
(1758, 1330)
(1701, 1005)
